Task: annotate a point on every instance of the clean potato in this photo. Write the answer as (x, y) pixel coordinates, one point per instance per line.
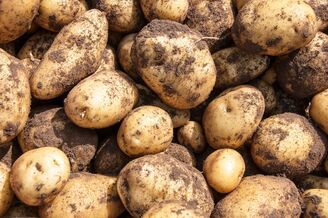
(319, 110)
(6, 193)
(192, 135)
(316, 203)
(313, 182)
(181, 153)
(268, 93)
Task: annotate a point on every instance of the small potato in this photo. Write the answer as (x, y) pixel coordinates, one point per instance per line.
(192, 135)
(320, 8)
(108, 61)
(145, 130)
(10, 48)
(224, 169)
(16, 18)
(319, 110)
(6, 193)
(181, 153)
(313, 182)
(39, 175)
(31, 65)
(287, 144)
(316, 203)
(268, 93)
(269, 76)
(21, 210)
(55, 14)
(101, 100)
(232, 118)
(9, 152)
(274, 27)
(85, 195)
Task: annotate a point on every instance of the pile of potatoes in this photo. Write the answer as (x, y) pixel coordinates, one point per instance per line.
(155, 109)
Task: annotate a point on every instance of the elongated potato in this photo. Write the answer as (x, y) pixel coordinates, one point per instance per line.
(15, 97)
(313, 182)
(319, 110)
(316, 203)
(75, 54)
(6, 193)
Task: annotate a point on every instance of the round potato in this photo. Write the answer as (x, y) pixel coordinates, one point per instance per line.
(175, 63)
(268, 93)
(192, 135)
(181, 153)
(319, 110)
(313, 182)
(287, 144)
(232, 118)
(316, 203)
(145, 130)
(10, 48)
(39, 175)
(274, 27)
(21, 210)
(6, 193)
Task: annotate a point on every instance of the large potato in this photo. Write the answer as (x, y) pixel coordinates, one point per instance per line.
(156, 178)
(175, 63)
(6, 193)
(15, 97)
(319, 110)
(75, 54)
(313, 182)
(192, 135)
(316, 203)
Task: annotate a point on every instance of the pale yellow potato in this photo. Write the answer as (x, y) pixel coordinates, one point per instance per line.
(192, 135)
(268, 93)
(316, 203)
(6, 193)
(30, 65)
(313, 182)
(39, 175)
(319, 110)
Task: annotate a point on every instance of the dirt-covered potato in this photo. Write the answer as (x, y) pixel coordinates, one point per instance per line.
(212, 19)
(240, 3)
(274, 27)
(145, 130)
(38, 175)
(157, 178)
(10, 48)
(181, 153)
(250, 167)
(303, 73)
(15, 97)
(287, 144)
(320, 8)
(75, 54)
(85, 195)
(175, 10)
(192, 135)
(269, 76)
(16, 18)
(313, 182)
(268, 93)
(232, 118)
(316, 203)
(261, 196)
(224, 169)
(31, 65)
(108, 61)
(21, 210)
(9, 152)
(6, 193)
(101, 100)
(236, 67)
(175, 63)
(55, 14)
(319, 110)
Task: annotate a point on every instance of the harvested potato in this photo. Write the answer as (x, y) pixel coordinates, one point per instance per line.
(10, 48)
(38, 175)
(250, 167)
(240, 3)
(269, 76)
(287, 144)
(145, 130)
(55, 14)
(9, 152)
(101, 100)
(85, 195)
(158, 178)
(303, 73)
(15, 97)
(6, 193)
(224, 169)
(261, 196)
(236, 67)
(320, 8)
(319, 110)
(313, 182)
(268, 93)
(75, 54)
(232, 118)
(181, 153)
(21, 210)
(16, 18)
(192, 135)
(316, 203)
(31, 65)
(108, 61)
(274, 27)
(175, 63)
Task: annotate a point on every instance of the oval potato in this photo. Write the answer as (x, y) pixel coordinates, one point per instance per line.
(319, 110)
(6, 193)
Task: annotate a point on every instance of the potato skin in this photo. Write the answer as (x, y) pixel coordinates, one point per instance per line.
(316, 203)
(181, 153)
(319, 110)
(313, 182)
(192, 135)
(85, 195)
(30, 65)
(320, 8)
(10, 48)
(75, 54)
(16, 18)
(172, 180)
(15, 97)
(9, 152)
(6, 193)
(108, 61)
(268, 92)
(21, 210)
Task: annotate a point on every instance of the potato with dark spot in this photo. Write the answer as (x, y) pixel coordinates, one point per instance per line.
(75, 54)
(10, 48)
(157, 178)
(287, 144)
(313, 182)
(108, 61)
(232, 118)
(21, 210)
(31, 65)
(274, 27)
(9, 152)
(192, 135)
(268, 93)
(181, 153)
(319, 110)
(175, 63)
(6, 193)
(261, 196)
(316, 203)
(85, 195)
(320, 8)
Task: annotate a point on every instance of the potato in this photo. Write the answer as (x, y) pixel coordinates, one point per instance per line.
(108, 61)
(85, 195)
(274, 27)
(101, 100)
(269, 76)
(236, 67)
(157, 178)
(261, 196)
(250, 167)
(316, 203)
(37, 45)
(31, 65)
(21, 210)
(16, 18)
(75, 54)
(320, 8)
(175, 63)
(38, 175)
(175, 10)
(224, 169)
(15, 97)
(213, 19)
(240, 3)
(287, 144)
(10, 48)
(268, 93)
(9, 152)
(232, 118)
(6, 193)
(313, 182)
(49, 126)
(145, 130)
(55, 14)
(181, 153)
(192, 135)
(304, 72)
(319, 110)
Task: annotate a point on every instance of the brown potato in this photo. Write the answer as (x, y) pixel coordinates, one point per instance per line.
(269, 76)
(268, 93)
(316, 203)
(319, 110)
(313, 182)
(9, 152)
(192, 135)
(6, 193)
(240, 3)
(181, 153)
(31, 65)
(320, 8)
